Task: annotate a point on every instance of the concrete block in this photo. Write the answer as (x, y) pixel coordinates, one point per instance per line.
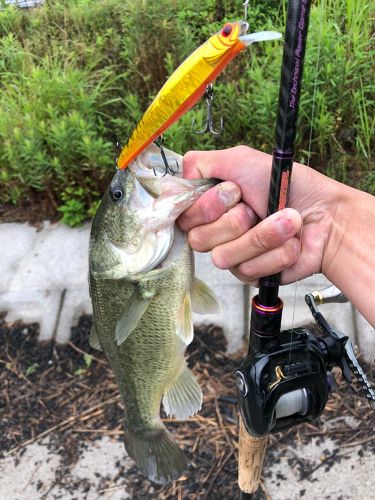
(57, 259)
(75, 303)
(33, 306)
(44, 276)
(33, 474)
(44, 280)
(14, 244)
(230, 294)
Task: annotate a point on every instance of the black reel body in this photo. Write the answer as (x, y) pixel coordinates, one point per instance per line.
(286, 379)
(292, 378)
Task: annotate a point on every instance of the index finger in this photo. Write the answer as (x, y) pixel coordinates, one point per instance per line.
(226, 164)
(247, 167)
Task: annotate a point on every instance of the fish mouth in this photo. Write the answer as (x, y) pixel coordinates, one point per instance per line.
(261, 36)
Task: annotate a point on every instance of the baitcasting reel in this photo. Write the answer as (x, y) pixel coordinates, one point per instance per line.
(287, 380)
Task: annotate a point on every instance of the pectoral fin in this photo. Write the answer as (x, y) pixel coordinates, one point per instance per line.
(134, 311)
(184, 397)
(94, 340)
(203, 298)
(185, 320)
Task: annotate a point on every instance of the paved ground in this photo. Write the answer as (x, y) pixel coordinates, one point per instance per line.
(92, 477)
(95, 475)
(44, 280)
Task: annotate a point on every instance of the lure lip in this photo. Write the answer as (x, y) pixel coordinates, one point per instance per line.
(260, 36)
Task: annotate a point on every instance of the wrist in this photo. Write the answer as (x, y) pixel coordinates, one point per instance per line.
(342, 201)
(349, 257)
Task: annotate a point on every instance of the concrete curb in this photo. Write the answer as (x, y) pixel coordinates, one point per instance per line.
(44, 280)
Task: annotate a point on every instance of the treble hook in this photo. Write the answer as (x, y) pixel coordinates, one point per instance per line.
(168, 168)
(209, 95)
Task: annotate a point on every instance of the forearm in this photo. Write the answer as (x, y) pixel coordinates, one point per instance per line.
(349, 259)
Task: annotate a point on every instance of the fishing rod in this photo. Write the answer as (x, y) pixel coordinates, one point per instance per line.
(286, 378)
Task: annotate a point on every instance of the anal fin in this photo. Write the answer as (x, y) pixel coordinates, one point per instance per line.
(184, 397)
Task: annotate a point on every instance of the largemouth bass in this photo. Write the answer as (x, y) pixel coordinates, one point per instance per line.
(188, 83)
(143, 290)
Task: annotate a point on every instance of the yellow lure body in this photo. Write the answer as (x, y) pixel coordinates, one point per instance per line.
(184, 88)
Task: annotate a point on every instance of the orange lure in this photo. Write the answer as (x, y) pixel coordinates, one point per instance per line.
(188, 84)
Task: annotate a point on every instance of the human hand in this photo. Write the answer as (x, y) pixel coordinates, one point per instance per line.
(230, 219)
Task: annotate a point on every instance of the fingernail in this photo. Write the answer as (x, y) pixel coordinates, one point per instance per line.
(284, 226)
(229, 193)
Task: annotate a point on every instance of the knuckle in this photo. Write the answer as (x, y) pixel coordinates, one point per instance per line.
(244, 276)
(184, 222)
(238, 219)
(288, 254)
(257, 239)
(246, 269)
(218, 259)
(189, 159)
(207, 210)
(208, 214)
(196, 239)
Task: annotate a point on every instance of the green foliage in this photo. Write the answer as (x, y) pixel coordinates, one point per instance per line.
(73, 209)
(87, 359)
(31, 369)
(76, 75)
(368, 182)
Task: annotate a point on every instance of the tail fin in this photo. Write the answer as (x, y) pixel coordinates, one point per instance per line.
(157, 455)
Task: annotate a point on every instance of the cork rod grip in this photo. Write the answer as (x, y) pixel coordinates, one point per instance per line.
(250, 462)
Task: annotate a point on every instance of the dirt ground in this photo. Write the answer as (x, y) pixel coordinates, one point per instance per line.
(64, 397)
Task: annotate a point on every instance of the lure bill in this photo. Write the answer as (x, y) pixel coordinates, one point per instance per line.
(188, 84)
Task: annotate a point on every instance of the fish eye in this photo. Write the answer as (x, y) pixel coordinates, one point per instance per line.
(116, 192)
(227, 29)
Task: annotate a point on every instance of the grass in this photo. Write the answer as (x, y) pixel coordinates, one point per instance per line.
(76, 75)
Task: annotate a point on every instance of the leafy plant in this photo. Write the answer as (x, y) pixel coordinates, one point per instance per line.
(76, 76)
(88, 359)
(31, 369)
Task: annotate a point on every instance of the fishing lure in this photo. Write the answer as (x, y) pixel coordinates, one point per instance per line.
(188, 84)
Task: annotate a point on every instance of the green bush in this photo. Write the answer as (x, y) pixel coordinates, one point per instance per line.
(76, 75)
